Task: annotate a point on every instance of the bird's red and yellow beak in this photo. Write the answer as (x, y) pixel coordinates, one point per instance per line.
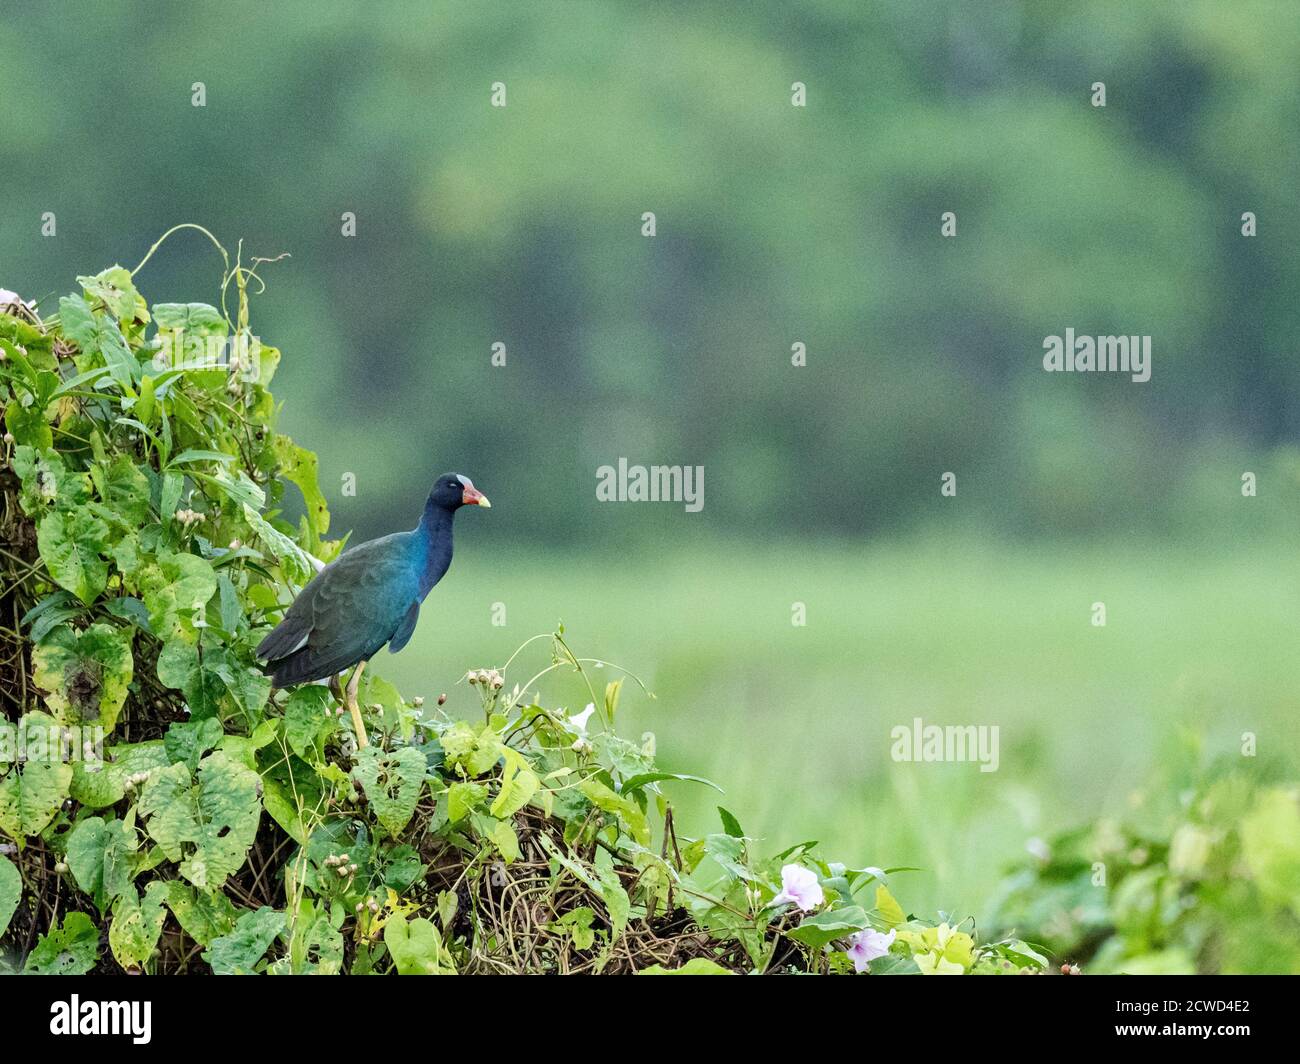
(474, 497)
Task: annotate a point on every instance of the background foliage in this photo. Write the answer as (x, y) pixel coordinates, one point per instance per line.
(775, 224)
(230, 829)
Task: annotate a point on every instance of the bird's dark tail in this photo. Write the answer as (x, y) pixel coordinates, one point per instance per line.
(305, 665)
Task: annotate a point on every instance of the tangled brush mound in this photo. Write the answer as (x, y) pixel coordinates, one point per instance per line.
(162, 809)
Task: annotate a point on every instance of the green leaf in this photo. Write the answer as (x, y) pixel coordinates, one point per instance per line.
(71, 949)
(644, 779)
(505, 840)
(236, 486)
(11, 892)
(147, 403)
(941, 950)
(247, 687)
(627, 810)
(729, 853)
(279, 801)
(893, 964)
(823, 928)
(890, 911)
(70, 545)
(301, 467)
(1270, 843)
(173, 484)
(617, 904)
(206, 823)
(180, 668)
(232, 613)
(292, 558)
(204, 915)
(98, 784)
(28, 426)
(47, 481)
(126, 489)
(315, 946)
(85, 674)
(730, 824)
(402, 868)
(30, 796)
(462, 797)
(122, 365)
(307, 721)
(114, 288)
(188, 741)
(197, 321)
(78, 323)
(239, 951)
(612, 691)
(518, 785)
(99, 856)
(392, 782)
(137, 924)
(173, 589)
(196, 455)
(578, 923)
(416, 947)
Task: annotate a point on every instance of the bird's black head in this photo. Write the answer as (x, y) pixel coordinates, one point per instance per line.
(453, 491)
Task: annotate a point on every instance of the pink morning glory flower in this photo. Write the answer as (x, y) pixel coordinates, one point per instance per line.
(866, 946)
(799, 885)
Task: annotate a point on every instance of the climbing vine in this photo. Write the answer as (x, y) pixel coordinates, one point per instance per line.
(162, 809)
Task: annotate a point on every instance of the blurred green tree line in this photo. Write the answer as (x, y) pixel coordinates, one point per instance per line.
(775, 224)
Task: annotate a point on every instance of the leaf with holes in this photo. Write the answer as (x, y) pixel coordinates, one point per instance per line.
(392, 782)
(137, 924)
(72, 949)
(206, 823)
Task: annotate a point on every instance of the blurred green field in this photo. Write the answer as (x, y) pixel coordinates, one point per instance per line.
(794, 722)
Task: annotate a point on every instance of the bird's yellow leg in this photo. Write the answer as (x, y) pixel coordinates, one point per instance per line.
(357, 723)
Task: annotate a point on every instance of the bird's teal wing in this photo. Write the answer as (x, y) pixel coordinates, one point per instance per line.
(403, 634)
(349, 610)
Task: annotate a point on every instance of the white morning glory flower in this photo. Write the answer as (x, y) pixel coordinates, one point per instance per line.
(866, 946)
(800, 886)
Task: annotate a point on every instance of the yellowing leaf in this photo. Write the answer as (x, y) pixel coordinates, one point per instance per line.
(891, 912)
